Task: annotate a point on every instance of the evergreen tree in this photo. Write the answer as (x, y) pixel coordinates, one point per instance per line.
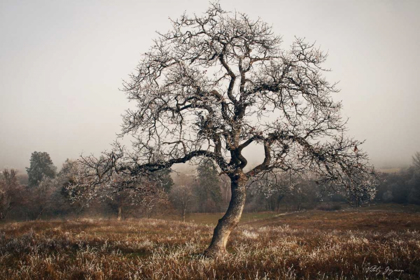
(164, 178)
(41, 166)
(208, 187)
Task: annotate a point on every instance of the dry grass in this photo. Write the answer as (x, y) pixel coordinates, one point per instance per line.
(368, 219)
(309, 245)
(212, 218)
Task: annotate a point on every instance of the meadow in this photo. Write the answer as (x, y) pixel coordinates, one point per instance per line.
(362, 243)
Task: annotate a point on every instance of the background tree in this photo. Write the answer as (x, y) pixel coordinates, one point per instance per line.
(295, 191)
(123, 200)
(94, 182)
(182, 195)
(41, 198)
(41, 166)
(12, 194)
(207, 189)
(218, 84)
(271, 188)
(414, 182)
(62, 203)
(164, 178)
(416, 162)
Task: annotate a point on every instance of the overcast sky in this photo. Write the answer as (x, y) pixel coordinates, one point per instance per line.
(62, 64)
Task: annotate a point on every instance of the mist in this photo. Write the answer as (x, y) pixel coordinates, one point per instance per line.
(63, 63)
(237, 160)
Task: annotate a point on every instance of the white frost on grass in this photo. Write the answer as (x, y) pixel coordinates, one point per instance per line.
(250, 234)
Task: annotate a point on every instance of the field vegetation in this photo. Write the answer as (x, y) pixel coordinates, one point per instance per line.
(366, 243)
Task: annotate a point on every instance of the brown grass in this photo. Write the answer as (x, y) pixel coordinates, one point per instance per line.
(368, 219)
(364, 244)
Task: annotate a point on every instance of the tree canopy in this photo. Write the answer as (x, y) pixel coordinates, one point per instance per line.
(41, 166)
(217, 84)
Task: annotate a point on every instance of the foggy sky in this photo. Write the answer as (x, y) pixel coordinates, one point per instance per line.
(62, 64)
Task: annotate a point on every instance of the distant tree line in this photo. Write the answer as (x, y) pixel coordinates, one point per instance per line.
(401, 187)
(288, 193)
(45, 193)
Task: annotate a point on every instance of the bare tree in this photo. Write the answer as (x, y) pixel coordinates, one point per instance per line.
(93, 179)
(42, 197)
(218, 83)
(274, 186)
(182, 195)
(11, 192)
(207, 187)
(416, 161)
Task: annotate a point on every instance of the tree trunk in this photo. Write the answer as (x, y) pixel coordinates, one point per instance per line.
(183, 214)
(231, 218)
(119, 213)
(79, 211)
(40, 214)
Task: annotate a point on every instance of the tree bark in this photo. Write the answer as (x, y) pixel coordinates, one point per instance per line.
(119, 213)
(231, 218)
(183, 214)
(40, 214)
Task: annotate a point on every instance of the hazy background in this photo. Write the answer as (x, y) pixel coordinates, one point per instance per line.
(62, 64)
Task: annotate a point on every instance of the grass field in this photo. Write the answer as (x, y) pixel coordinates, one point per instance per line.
(368, 243)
